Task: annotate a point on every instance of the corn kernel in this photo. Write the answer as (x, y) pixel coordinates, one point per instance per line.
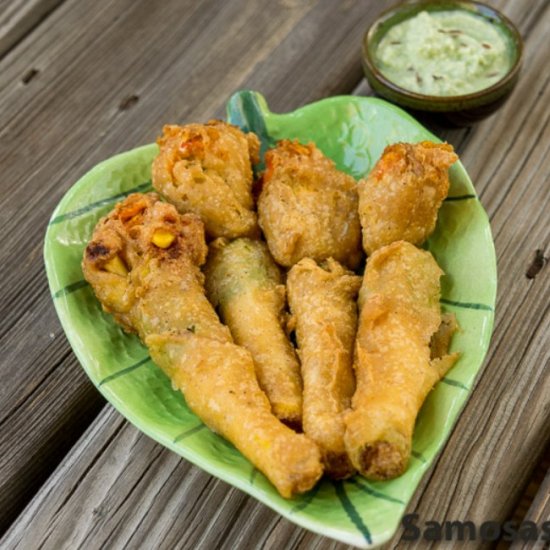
(116, 265)
(163, 239)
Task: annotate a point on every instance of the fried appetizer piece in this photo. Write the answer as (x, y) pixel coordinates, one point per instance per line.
(324, 311)
(307, 208)
(207, 169)
(400, 198)
(143, 263)
(243, 281)
(219, 384)
(394, 366)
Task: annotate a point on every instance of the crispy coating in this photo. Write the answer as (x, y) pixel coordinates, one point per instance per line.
(400, 198)
(243, 281)
(394, 366)
(307, 208)
(155, 287)
(219, 384)
(323, 305)
(207, 169)
(141, 302)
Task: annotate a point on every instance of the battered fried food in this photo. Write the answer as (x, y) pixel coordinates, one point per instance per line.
(307, 208)
(400, 198)
(207, 169)
(394, 366)
(143, 264)
(243, 281)
(323, 304)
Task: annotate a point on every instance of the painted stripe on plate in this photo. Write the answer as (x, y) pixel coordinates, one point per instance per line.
(124, 371)
(253, 475)
(373, 492)
(466, 305)
(306, 499)
(419, 456)
(70, 288)
(189, 432)
(352, 513)
(80, 211)
(455, 383)
(244, 111)
(460, 198)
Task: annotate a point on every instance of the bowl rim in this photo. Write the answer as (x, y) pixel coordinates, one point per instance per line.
(452, 4)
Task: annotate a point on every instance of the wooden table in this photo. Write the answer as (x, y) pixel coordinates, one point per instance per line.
(81, 80)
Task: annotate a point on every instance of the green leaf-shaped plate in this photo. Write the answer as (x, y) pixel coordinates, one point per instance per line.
(353, 131)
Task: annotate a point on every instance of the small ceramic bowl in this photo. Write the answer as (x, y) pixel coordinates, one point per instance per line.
(459, 109)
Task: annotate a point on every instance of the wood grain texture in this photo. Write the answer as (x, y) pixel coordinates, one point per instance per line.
(18, 17)
(98, 89)
(121, 488)
(538, 509)
(116, 485)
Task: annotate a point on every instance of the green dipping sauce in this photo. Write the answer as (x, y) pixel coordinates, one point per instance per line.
(444, 53)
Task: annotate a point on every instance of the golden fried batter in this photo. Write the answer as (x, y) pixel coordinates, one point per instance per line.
(122, 262)
(400, 198)
(394, 366)
(207, 169)
(245, 283)
(307, 208)
(143, 264)
(323, 305)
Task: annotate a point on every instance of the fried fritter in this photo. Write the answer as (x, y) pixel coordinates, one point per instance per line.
(243, 281)
(307, 208)
(122, 262)
(143, 264)
(324, 311)
(394, 366)
(401, 196)
(207, 169)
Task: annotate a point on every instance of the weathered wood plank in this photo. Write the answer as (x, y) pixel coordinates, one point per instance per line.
(18, 17)
(36, 429)
(537, 509)
(121, 483)
(98, 89)
(160, 499)
(531, 491)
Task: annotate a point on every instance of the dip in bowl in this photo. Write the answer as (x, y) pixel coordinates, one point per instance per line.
(460, 58)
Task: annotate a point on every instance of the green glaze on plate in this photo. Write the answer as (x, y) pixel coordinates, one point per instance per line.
(353, 131)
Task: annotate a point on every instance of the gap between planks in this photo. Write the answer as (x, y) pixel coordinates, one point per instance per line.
(18, 18)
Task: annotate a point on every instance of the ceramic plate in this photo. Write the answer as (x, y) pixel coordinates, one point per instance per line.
(353, 131)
